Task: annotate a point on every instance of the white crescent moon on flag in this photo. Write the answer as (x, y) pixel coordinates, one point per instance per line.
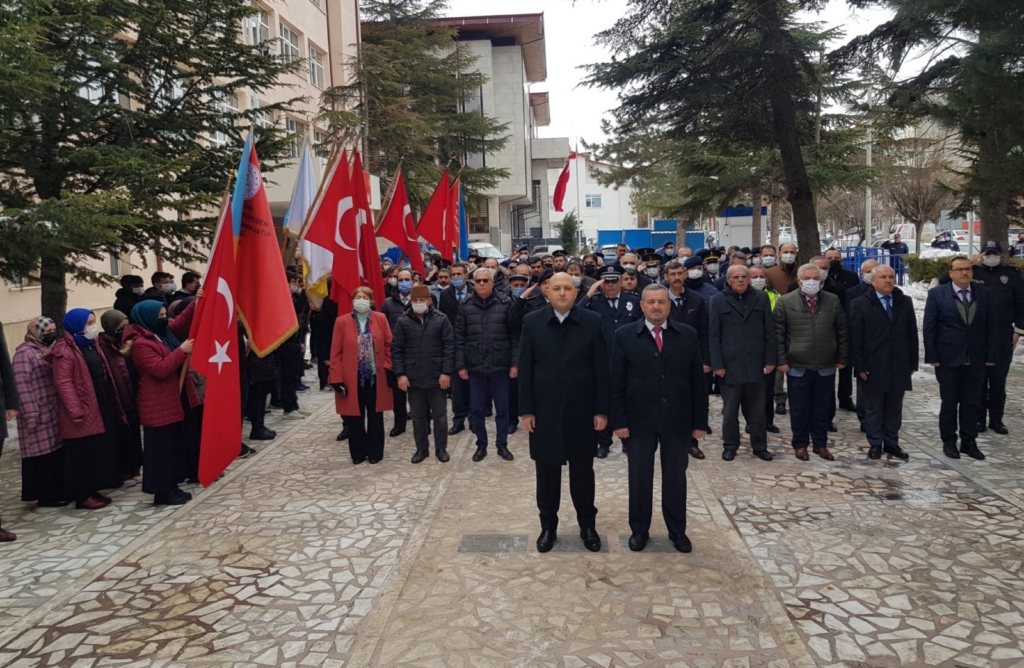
(407, 219)
(343, 207)
(362, 218)
(225, 289)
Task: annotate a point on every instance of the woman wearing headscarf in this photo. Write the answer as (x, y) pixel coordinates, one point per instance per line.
(116, 352)
(42, 457)
(89, 413)
(158, 353)
(360, 358)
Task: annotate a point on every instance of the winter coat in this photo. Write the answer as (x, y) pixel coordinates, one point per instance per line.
(692, 311)
(79, 413)
(39, 414)
(886, 349)
(742, 341)
(160, 372)
(811, 341)
(485, 339)
(118, 364)
(423, 351)
(345, 362)
(449, 304)
(563, 382)
(125, 300)
(778, 278)
(8, 389)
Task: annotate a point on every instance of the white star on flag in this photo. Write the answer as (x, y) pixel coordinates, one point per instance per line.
(221, 357)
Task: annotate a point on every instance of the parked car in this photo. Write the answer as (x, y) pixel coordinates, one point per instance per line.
(608, 252)
(486, 250)
(545, 250)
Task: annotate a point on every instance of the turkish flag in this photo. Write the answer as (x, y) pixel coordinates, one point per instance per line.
(217, 356)
(369, 257)
(332, 225)
(563, 183)
(453, 215)
(397, 225)
(434, 222)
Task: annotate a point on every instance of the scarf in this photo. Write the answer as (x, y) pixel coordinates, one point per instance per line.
(147, 314)
(367, 372)
(74, 322)
(111, 320)
(36, 328)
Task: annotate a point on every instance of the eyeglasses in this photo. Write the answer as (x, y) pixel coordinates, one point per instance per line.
(481, 280)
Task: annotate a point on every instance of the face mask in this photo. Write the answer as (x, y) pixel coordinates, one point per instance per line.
(420, 309)
(91, 332)
(991, 260)
(652, 272)
(458, 282)
(788, 258)
(168, 288)
(670, 252)
(117, 336)
(576, 280)
(386, 267)
(589, 269)
(823, 273)
(139, 290)
(426, 263)
(361, 305)
(295, 289)
(713, 268)
(835, 266)
(755, 262)
(49, 338)
(757, 283)
(695, 274)
(472, 266)
(161, 324)
(868, 277)
(518, 292)
(392, 281)
(810, 287)
(768, 261)
(405, 287)
(629, 265)
(523, 257)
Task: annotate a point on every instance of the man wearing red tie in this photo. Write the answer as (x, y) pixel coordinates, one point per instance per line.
(658, 397)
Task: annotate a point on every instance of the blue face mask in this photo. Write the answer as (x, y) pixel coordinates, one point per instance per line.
(459, 283)
(405, 287)
(518, 292)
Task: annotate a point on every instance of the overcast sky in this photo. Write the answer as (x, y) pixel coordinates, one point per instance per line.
(576, 111)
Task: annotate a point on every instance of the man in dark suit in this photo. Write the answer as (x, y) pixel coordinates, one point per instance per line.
(449, 303)
(658, 396)
(883, 337)
(960, 341)
(742, 343)
(562, 346)
(867, 268)
(617, 309)
(689, 307)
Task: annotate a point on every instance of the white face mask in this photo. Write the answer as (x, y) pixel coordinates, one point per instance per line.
(361, 305)
(868, 277)
(788, 258)
(755, 262)
(138, 290)
(758, 283)
(652, 272)
(823, 273)
(810, 287)
(695, 273)
(768, 261)
(91, 332)
(168, 288)
(629, 265)
(576, 280)
(712, 268)
(392, 281)
(420, 309)
(991, 260)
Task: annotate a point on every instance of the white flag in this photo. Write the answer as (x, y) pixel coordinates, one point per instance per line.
(318, 260)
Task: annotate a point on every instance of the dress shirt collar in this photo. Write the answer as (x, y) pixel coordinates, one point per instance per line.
(956, 290)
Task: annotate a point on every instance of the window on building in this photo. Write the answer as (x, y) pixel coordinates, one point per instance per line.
(229, 106)
(593, 202)
(259, 28)
(316, 67)
(115, 265)
(264, 119)
(289, 44)
(551, 204)
(318, 3)
(298, 135)
(476, 215)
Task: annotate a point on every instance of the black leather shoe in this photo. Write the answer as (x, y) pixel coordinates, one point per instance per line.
(875, 452)
(772, 429)
(505, 454)
(981, 428)
(591, 540)
(442, 456)
(343, 435)
(479, 455)
(373, 461)
(546, 540)
(949, 449)
(832, 427)
(419, 456)
(971, 450)
(457, 428)
(895, 451)
(999, 428)
(637, 542)
(764, 455)
(357, 462)
(263, 434)
(682, 543)
(397, 431)
(863, 429)
(728, 454)
(513, 427)
(848, 406)
(780, 409)
(602, 451)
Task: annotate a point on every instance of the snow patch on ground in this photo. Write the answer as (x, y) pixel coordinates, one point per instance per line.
(936, 253)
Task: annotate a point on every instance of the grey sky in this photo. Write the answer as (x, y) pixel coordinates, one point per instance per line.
(576, 111)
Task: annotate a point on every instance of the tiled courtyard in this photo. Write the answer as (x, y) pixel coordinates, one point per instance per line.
(297, 558)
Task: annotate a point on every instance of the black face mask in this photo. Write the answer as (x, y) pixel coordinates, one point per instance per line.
(49, 338)
(834, 266)
(589, 269)
(161, 324)
(117, 336)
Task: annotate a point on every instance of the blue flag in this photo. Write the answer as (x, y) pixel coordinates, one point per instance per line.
(463, 229)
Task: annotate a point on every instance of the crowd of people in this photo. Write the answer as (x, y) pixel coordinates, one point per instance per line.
(576, 351)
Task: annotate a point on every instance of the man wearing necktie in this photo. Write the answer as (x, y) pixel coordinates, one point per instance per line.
(449, 303)
(960, 341)
(690, 308)
(883, 335)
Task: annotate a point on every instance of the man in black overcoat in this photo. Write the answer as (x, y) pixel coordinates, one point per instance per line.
(563, 395)
(658, 396)
(883, 336)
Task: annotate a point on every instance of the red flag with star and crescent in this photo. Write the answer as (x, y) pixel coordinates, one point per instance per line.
(216, 356)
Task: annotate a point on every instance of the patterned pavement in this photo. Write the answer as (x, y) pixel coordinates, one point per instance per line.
(298, 558)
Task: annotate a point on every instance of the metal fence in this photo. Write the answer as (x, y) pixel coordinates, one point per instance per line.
(854, 256)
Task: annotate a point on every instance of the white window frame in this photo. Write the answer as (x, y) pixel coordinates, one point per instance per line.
(593, 201)
(259, 28)
(227, 106)
(115, 265)
(316, 67)
(264, 119)
(294, 127)
(289, 47)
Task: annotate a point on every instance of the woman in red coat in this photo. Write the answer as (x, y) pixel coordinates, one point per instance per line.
(158, 353)
(90, 412)
(109, 342)
(360, 359)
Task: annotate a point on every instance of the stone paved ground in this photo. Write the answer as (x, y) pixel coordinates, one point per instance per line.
(297, 558)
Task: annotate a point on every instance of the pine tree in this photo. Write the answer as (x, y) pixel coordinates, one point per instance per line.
(106, 107)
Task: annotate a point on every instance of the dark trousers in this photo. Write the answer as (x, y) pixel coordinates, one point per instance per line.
(483, 389)
(256, 403)
(289, 359)
(581, 489)
(425, 402)
(780, 389)
(845, 389)
(959, 394)
(811, 404)
(993, 392)
(366, 431)
(861, 397)
(769, 395)
(460, 399)
(751, 397)
(674, 461)
(513, 400)
(883, 417)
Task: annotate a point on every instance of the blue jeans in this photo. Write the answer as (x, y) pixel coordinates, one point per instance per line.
(810, 408)
(483, 389)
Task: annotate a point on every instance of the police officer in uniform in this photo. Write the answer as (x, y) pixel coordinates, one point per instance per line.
(945, 241)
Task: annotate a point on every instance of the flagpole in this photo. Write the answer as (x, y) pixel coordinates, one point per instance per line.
(332, 158)
(386, 202)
